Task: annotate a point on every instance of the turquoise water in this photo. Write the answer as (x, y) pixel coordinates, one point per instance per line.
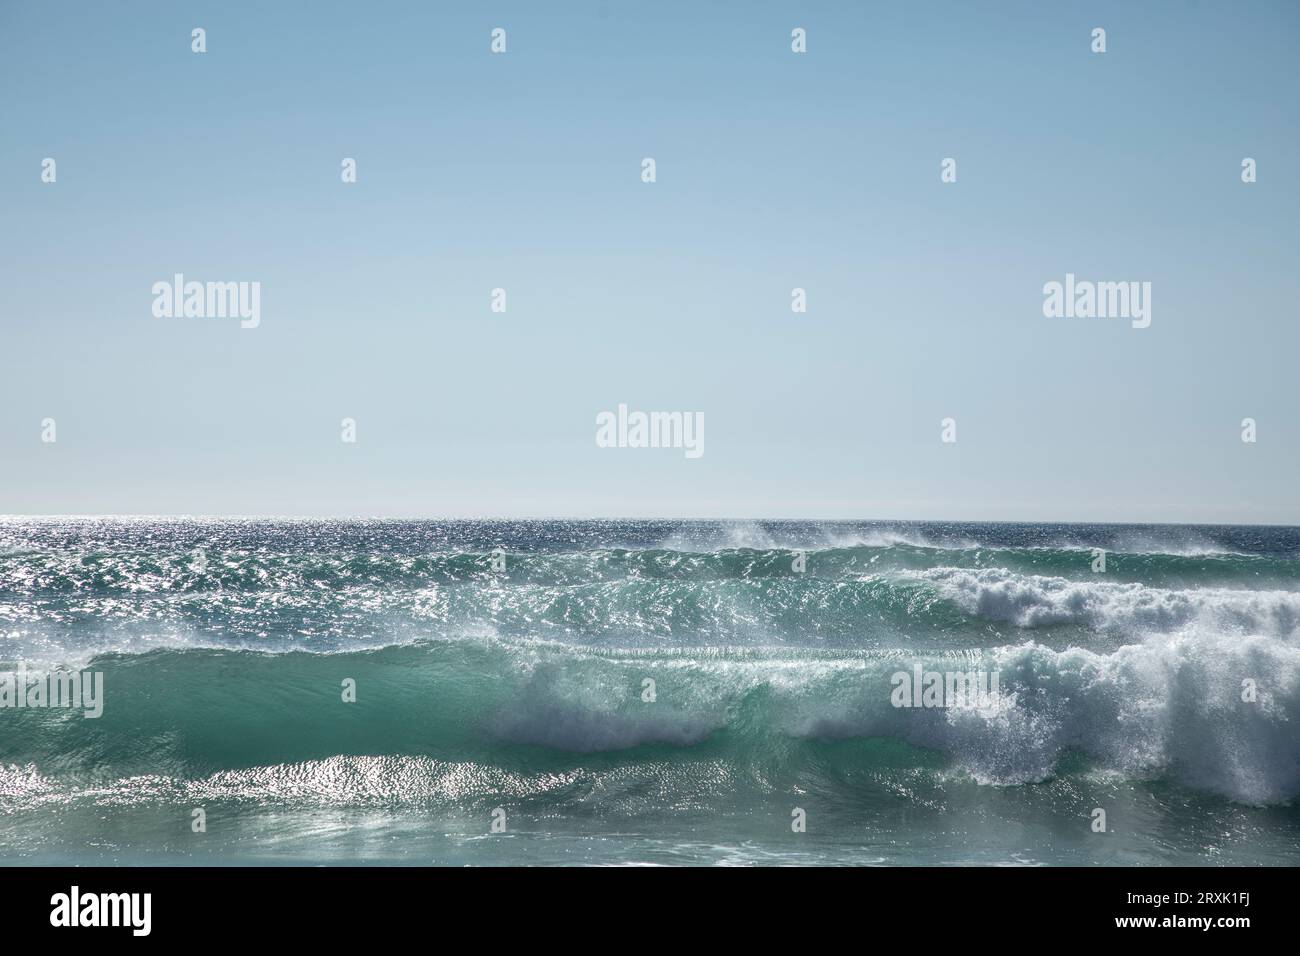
(519, 693)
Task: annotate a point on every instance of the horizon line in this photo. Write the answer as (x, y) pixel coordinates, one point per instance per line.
(124, 516)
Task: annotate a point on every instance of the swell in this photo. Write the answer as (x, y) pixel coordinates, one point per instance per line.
(941, 608)
(35, 573)
(1170, 707)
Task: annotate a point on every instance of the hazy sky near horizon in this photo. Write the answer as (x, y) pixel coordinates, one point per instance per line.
(775, 170)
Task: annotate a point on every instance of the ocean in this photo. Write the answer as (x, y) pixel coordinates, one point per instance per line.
(649, 692)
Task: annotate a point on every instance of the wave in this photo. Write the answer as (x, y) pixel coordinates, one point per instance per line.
(855, 598)
(1035, 601)
(1169, 707)
(127, 572)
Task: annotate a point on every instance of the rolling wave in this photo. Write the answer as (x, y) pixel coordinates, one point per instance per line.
(1036, 601)
(1171, 706)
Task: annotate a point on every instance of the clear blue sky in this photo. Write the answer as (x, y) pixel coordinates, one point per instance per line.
(775, 170)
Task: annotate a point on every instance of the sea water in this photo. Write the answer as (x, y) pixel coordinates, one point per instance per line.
(650, 692)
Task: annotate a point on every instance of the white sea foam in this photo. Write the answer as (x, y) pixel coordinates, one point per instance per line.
(1169, 706)
(1031, 600)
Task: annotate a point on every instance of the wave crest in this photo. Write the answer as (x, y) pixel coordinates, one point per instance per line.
(1032, 601)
